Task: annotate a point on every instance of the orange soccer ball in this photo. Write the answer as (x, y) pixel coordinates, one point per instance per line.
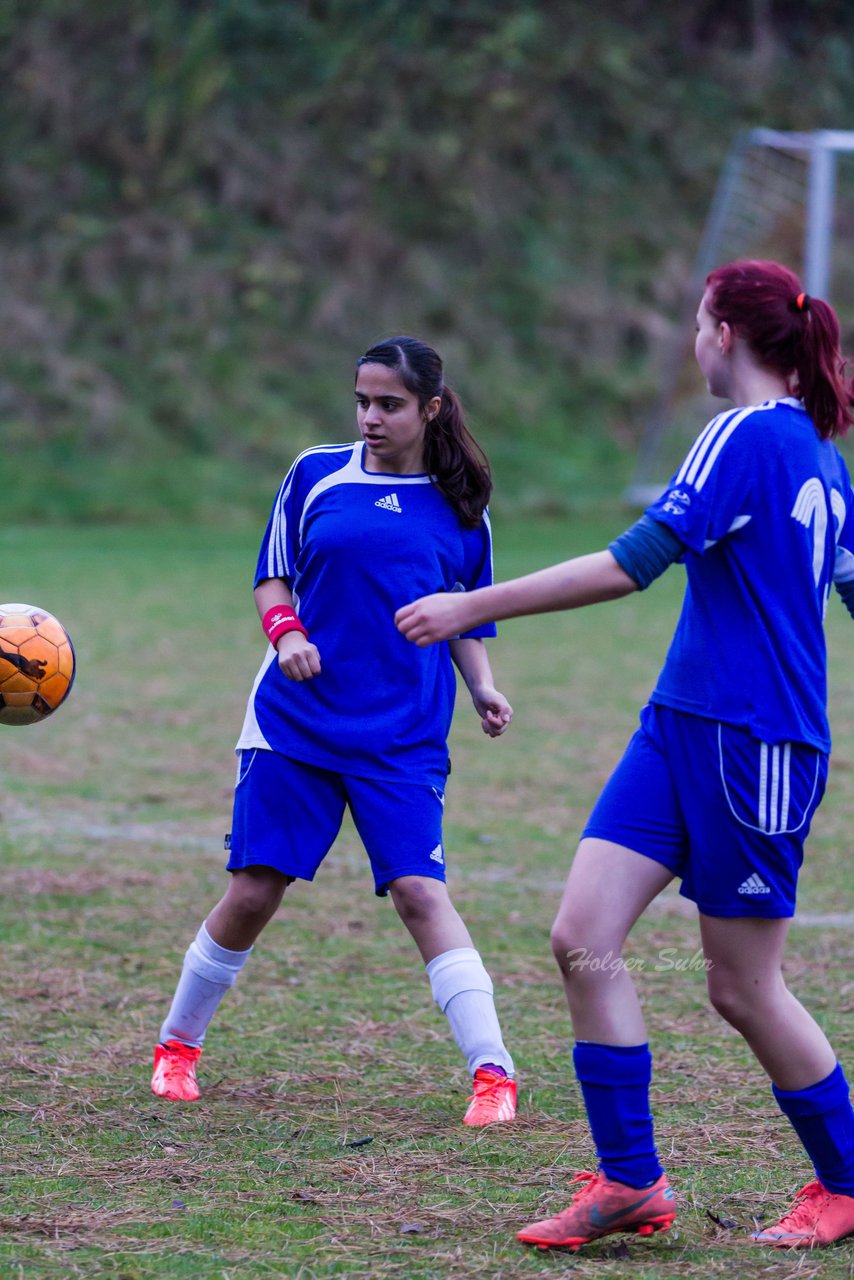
(36, 664)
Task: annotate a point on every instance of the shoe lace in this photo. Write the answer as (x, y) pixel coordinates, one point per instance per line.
(802, 1209)
(488, 1092)
(177, 1061)
(587, 1180)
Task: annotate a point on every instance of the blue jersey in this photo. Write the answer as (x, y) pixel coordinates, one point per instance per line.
(764, 508)
(354, 546)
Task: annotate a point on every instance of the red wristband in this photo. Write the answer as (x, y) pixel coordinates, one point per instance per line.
(278, 621)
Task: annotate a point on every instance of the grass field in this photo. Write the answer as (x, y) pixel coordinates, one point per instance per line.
(329, 1142)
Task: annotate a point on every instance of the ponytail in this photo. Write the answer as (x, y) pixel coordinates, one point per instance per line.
(789, 332)
(827, 398)
(455, 461)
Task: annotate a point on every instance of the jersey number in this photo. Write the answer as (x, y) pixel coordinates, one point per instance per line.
(811, 508)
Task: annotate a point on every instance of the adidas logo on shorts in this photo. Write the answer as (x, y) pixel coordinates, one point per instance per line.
(754, 884)
(437, 855)
(389, 503)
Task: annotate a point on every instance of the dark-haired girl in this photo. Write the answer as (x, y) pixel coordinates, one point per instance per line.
(346, 714)
(721, 781)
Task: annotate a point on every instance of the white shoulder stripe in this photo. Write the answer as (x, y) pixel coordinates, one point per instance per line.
(724, 423)
(698, 465)
(276, 554)
(278, 565)
(719, 443)
(698, 446)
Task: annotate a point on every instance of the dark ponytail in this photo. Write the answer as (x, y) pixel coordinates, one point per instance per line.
(821, 370)
(789, 332)
(452, 456)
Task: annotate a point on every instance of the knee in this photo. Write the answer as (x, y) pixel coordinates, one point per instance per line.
(418, 900)
(734, 999)
(570, 946)
(255, 895)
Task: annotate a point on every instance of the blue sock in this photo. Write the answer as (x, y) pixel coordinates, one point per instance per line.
(823, 1119)
(615, 1082)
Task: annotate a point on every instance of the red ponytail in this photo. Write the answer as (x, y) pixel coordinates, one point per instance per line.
(788, 331)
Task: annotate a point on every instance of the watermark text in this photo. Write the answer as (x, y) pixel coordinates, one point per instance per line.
(668, 960)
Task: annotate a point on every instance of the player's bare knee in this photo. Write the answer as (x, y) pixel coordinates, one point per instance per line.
(568, 944)
(418, 900)
(256, 894)
(735, 1001)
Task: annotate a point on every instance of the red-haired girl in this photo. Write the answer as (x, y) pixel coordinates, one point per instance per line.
(719, 784)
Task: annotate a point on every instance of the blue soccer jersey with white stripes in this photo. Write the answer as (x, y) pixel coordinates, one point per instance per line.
(764, 508)
(354, 546)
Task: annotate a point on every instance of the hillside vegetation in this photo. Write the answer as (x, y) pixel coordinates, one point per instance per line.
(207, 210)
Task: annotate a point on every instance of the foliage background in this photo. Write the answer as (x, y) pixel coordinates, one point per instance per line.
(208, 209)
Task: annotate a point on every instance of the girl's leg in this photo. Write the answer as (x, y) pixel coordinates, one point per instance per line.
(401, 828)
(425, 907)
(746, 987)
(248, 904)
(219, 951)
(608, 887)
(459, 981)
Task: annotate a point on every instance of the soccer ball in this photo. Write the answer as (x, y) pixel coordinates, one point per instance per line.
(36, 664)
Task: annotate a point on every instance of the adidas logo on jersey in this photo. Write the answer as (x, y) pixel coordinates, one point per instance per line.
(437, 855)
(754, 884)
(389, 503)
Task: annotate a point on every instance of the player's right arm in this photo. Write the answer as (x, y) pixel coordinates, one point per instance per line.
(299, 659)
(574, 583)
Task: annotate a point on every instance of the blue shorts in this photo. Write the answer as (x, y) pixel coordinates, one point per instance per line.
(727, 813)
(287, 815)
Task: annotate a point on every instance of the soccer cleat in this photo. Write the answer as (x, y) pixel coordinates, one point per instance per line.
(175, 1071)
(816, 1217)
(599, 1208)
(493, 1100)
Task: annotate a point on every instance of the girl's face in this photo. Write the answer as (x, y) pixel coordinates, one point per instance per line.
(711, 348)
(391, 422)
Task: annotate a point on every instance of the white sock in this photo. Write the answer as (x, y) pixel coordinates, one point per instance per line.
(463, 991)
(209, 970)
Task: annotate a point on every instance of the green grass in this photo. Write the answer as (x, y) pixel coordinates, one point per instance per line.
(112, 821)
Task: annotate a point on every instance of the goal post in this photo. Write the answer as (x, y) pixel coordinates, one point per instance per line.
(776, 197)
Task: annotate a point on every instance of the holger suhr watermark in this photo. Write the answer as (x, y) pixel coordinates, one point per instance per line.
(668, 960)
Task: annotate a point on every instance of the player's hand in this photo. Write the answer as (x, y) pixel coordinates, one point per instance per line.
(494, 710)
(299, 659)
(432, 618)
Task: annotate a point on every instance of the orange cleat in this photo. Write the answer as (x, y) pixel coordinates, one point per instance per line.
(599, 1208)
(816, 1217)
(493, 1100)
(175, 1071)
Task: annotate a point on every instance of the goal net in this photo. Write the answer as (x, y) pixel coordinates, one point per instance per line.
(786, 196)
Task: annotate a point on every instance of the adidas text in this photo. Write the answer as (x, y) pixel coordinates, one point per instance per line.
(754, 885)
(389, 503)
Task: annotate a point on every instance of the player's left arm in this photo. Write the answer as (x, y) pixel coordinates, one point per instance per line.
(470, 656)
